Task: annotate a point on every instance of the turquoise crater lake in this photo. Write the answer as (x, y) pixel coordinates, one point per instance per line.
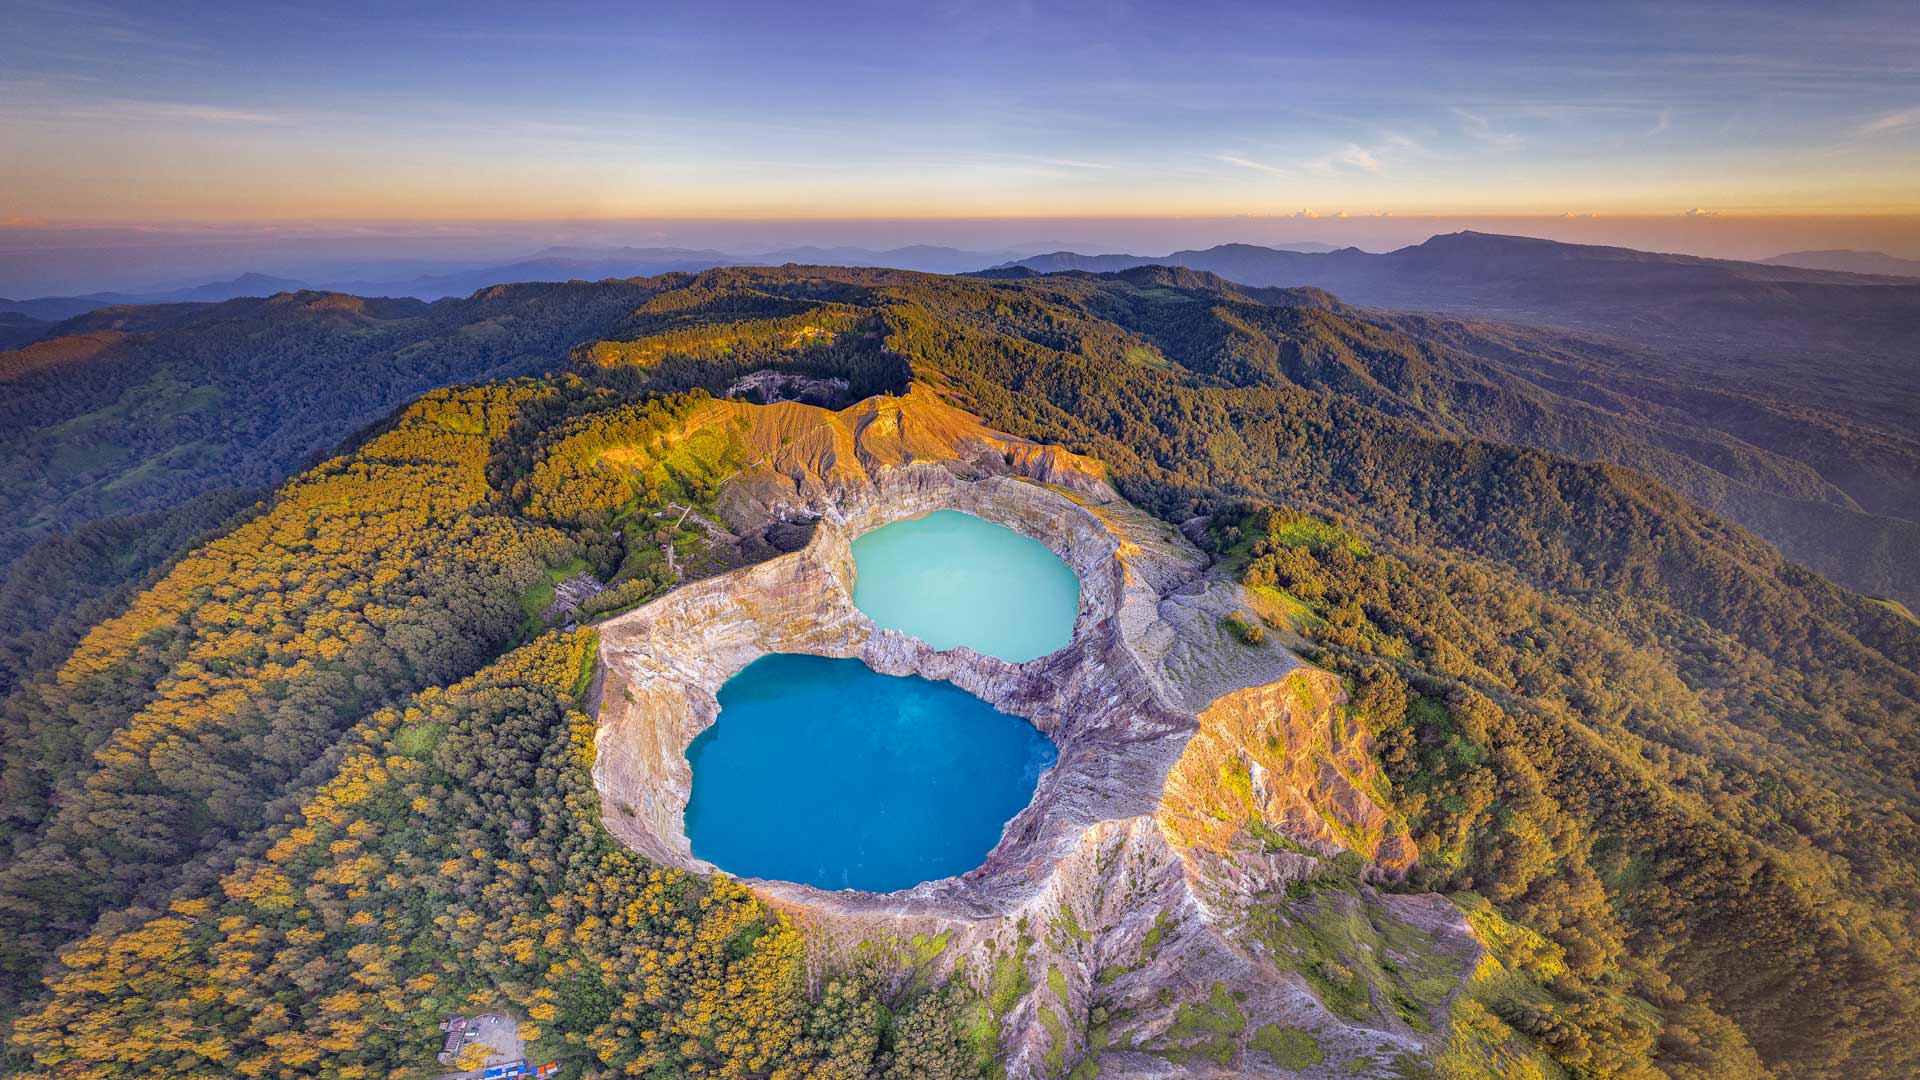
(828, 773)
(953, 579)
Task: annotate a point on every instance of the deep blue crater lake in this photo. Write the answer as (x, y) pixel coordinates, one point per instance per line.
(826, 772)
(954, 579)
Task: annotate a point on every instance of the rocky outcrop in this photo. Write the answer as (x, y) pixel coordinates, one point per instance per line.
(1197, 777)
(770, 385)
(1281, 758)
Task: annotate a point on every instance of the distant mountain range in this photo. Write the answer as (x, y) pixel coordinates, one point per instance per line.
(550, 264)
(22, 320)
(561, 263)
(57, 308)
(1810, 366)
(1713, 310)
(1852, 262)
(1813, 365)
(1816, 364)
(1450, 257)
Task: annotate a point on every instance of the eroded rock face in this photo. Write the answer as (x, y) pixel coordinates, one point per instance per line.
(1196, 778)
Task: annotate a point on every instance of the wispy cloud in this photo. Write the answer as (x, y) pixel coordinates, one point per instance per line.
(31, 100)
(1350, 158)
(1056, 162)
(1479, 128)
(1889, 123)
(1248, 163)
(1360, 158)
(188, 111)
(1662, 121)
(1372, 158)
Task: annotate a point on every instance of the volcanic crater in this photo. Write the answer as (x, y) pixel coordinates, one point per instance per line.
(1196, 777)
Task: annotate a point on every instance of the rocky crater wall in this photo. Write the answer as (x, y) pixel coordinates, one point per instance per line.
(666, 662)
(1196, 776)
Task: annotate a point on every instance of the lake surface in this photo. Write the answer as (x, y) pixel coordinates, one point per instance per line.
(826, 772)
(954, 579)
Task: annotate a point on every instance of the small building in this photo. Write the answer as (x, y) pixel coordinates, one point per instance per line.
(458, 1028)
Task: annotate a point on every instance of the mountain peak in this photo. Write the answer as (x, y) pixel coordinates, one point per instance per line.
(1848, 261)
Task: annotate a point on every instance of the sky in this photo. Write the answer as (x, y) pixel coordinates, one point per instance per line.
(309, 114)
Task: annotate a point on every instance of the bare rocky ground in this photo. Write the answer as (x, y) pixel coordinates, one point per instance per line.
(499, 1035)
(770, 385)
(1168, 904)
(570, 594)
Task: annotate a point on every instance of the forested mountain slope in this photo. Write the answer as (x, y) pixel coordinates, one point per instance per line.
(1810, 364)
(17, 329)
(298, 797)
(134, 409)
(1539, 388)
(1798, 432)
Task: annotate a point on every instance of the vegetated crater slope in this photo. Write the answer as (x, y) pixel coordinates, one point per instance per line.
(1200, 777)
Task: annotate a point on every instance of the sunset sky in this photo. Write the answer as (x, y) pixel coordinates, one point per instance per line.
(474, 111)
